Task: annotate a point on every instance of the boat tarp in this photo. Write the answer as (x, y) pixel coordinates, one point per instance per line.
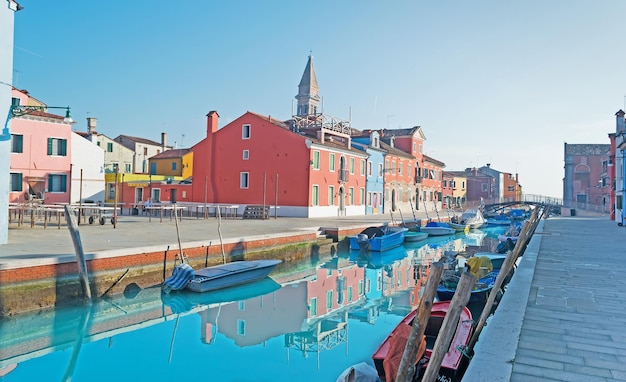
(391, 363)
(180, 277)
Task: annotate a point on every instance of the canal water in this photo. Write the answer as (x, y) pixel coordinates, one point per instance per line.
(308, 322)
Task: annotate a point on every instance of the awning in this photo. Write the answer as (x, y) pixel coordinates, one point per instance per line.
(37, 184)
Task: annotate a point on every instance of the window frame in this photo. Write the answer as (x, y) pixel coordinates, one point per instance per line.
(246, 131)
(16, 185)
(60, 144)
(17, 143)
(244, 180)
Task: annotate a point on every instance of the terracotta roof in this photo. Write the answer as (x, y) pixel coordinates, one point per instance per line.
(138, 140)
(395, 151)
(435, 161)
(175, 153)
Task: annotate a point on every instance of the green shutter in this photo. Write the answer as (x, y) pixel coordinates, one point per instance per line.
(49, 182)
(49, 146)
(63, 147)
(63, 181)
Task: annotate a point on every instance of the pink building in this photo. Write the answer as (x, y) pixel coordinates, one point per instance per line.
(40, 154)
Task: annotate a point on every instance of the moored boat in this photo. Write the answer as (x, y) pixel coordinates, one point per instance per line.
(437, 229)
(453, 363)
(470, 219)
(219, 276)
(411, 236)
(378, 238)
(479, 294)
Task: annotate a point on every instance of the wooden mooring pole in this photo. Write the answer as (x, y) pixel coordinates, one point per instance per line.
(406, 370)
(449, 325)
(506, 268)
(80, 255)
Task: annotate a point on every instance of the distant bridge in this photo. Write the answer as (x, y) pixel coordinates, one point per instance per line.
(496, 206)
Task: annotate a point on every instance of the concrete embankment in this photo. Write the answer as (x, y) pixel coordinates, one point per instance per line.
(38, 266)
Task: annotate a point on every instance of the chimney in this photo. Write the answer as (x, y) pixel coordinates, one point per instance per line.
(211, 125)
(163, 141)
(392, 141)
(619, 122)
(91, 128)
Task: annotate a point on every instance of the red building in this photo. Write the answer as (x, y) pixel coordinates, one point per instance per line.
(260, 160)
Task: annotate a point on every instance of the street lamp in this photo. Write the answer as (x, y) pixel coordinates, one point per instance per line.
(20, 110)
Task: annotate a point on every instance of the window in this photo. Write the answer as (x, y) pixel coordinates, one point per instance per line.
(351, 196)
(110, 190)
(15, 181)
(316, 160)
(57, 147)
(331, 195)
(350, 294)
(329, 299)
(393, 167)
(400, 165)
(173, 166)
(128, 167)
(246, 155)
(244, 179)
(351, 165)
(17, 143)
(313, 307)
(241, 327)
(380, 170)
(57, 183)
(484, 187)
(145, 151)
(245, 132)
(315, 195)
(331, 162)
(110, 147)
(369, 168)
(362, 169)
(414, 146)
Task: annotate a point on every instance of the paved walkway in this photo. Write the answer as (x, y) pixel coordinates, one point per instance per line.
(564, 312)
(136, 234)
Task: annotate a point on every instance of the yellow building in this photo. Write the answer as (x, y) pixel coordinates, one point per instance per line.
(174, 163)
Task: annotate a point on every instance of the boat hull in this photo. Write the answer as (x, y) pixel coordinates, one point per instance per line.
(230, 274)
(392, 237)
(479, 294)
(412, 237)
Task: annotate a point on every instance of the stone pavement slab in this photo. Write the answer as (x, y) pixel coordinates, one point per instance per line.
(562, 316)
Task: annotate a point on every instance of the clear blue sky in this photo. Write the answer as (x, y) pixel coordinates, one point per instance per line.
(505, 83)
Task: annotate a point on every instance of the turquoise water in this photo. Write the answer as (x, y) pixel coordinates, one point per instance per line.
(308, 322)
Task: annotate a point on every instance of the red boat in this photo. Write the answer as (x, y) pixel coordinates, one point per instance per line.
(454, 362)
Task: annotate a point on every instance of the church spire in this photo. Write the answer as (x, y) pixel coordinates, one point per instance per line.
(308, 98)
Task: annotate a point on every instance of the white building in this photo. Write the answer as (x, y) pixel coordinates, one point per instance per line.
(7, 17)
(87, 175)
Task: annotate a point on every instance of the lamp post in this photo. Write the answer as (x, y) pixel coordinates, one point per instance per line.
(21, 110)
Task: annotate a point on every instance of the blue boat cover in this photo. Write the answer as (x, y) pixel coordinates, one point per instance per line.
(180, 277)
